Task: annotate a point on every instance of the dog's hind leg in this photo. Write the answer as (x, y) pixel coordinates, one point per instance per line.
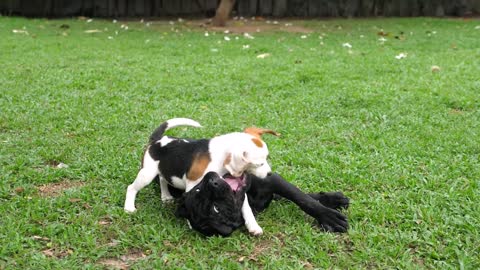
(165, 192)
(145, 176)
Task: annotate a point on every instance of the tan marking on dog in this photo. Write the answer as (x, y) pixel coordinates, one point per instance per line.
(199, 164)
(258, 132)
(257, 142)
(228, 159)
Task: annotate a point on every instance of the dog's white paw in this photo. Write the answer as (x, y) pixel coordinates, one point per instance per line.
(167, 199)
(255, 230)
(130, 209)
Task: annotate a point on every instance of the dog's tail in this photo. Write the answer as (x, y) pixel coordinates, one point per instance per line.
(175, 122)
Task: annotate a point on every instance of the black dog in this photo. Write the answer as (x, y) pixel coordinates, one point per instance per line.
(213, 208)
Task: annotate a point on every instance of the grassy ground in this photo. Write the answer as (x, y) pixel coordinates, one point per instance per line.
(402, 141)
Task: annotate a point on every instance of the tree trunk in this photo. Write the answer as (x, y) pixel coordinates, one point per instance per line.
(223, 11)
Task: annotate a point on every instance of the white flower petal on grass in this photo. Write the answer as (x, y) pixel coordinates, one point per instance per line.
(237, 38)
(206, 34)
(246, 47)
(226, 31)
(347, 45)
(110, 37)
(114, 21)
(89, 20)
(477, 27)
(62, 165)
(16, 31)
(275, 22)
(91, 31)
(382, 39)
(401, 56)
(214, 50)
(226, 38)
(263, 55)
(247, 35)
(303, 36)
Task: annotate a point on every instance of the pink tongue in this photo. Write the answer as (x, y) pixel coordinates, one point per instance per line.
(234, 183)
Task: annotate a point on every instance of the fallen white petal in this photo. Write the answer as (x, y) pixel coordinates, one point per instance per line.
(226, 38)
(206, 34)
(347, 45)
(246, 47)
(263, 55)
(62, 165)
(247, 35)
(401, 56)
(92, 31)
(20, 31)
(303, 36)
(477, 27)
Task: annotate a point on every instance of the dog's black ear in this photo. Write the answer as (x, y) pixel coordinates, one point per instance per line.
(181, 211)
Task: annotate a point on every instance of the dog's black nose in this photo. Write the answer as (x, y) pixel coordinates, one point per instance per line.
(214, 182)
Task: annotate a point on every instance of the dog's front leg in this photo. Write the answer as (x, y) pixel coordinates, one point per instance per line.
(250, 221)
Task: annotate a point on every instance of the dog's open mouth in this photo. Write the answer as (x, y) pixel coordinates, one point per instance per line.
(235, 183)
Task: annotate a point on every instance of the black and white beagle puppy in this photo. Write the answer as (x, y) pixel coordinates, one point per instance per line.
(182, 163)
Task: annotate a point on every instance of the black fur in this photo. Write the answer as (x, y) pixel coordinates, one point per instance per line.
(196, 205)
(212, 207)
(176, 157)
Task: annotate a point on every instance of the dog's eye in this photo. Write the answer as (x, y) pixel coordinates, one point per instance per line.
(197, 190)
(215, 209)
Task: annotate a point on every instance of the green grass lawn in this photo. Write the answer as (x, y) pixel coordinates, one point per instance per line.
(400, 140)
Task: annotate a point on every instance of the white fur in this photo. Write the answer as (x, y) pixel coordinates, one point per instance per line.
(175, 122)
(245, 156)
(164, 141)
(144, 177)
(250, 221)
(178, 182)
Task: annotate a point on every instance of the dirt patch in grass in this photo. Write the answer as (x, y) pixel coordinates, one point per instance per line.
(262, 247)
(124, 261)
(253, 26)
(56, 189)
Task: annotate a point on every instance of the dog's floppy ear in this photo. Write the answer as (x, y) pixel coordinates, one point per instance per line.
(258, 132)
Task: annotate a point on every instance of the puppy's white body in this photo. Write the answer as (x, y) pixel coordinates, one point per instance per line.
(233, 153)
